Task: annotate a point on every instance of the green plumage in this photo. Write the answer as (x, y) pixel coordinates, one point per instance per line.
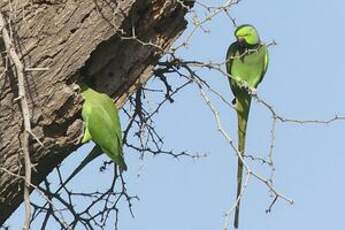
(246, 63)
(102, 124)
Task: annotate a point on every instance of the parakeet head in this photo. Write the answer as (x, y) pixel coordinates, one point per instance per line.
(247, 35)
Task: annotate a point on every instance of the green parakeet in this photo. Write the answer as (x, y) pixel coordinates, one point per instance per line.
(102, 124)
(246, 63)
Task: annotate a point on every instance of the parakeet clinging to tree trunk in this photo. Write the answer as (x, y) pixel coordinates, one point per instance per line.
(102, 124)
(246, 63)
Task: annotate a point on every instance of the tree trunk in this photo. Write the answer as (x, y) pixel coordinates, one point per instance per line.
(107, 42)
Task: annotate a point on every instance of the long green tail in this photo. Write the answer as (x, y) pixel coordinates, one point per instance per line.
(242, 108)
(95, 152)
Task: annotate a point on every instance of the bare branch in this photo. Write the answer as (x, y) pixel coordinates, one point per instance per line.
(26, 116)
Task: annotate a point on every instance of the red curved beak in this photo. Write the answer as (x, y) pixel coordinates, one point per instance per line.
(240, 40)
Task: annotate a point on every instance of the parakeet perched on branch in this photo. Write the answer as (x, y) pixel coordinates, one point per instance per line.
(246, 63)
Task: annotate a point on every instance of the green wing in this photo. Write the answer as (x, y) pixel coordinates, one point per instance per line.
(264, 54)
(230, 57)
(248, 66)
(103, 124)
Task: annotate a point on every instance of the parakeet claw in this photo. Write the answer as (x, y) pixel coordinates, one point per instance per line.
(252, 91)
(86, 135)
(80, 138)
(76, 87)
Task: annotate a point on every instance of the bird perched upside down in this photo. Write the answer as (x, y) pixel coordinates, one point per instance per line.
(246, 63)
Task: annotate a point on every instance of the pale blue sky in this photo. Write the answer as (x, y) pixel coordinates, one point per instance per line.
(305, 81)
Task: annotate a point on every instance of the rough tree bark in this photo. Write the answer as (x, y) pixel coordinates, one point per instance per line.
(75, 40)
